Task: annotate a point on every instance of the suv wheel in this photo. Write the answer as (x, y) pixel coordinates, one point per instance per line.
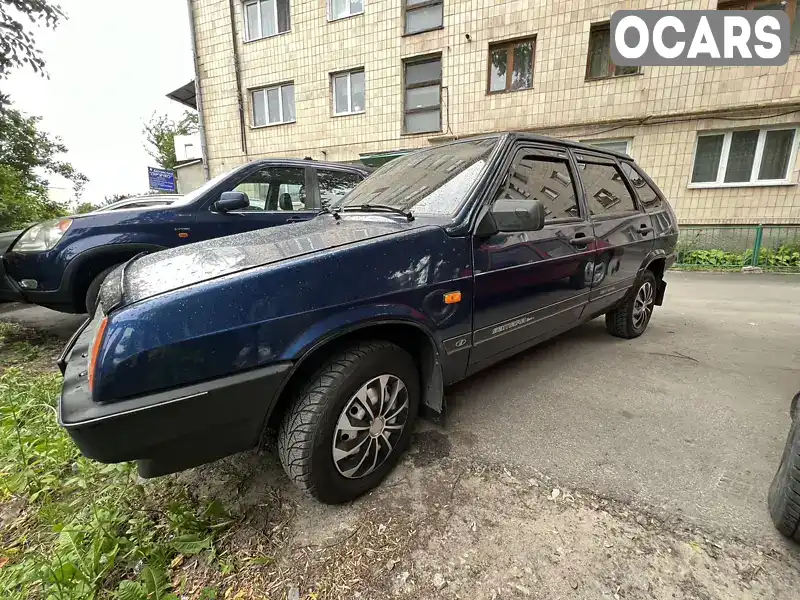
(630, 319)
(784, 492)
(94, 290)
(348, 426)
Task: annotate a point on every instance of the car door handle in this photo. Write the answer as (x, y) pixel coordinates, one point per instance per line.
(581, 240)
(295, 219)
(645, 230)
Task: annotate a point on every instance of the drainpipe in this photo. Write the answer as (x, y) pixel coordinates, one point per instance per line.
(198, 94)
(238, 72)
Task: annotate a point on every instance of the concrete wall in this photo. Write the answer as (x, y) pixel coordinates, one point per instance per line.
(189, 177)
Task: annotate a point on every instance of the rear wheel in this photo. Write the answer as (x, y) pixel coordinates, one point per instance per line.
(348, 426)
(93, 292)
(630, 319)
(784, 492)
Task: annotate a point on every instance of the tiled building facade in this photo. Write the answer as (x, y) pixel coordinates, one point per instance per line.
(333, 88)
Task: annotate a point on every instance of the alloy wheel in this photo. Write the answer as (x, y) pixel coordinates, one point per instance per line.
(643, 306)
(370, 425)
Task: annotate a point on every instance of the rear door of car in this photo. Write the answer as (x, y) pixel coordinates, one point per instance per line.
(622, 229)
(529, 284)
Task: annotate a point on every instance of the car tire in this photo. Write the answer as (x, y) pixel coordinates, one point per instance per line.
(94, 290)
(321, 447)
(630, 319)
(783, 498)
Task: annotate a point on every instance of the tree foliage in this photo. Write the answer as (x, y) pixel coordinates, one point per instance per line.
(17, 43)
(27, 155)
(160, 134)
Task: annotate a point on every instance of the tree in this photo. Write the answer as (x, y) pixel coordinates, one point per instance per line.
(17, 43)
(84, 207)
(27, 156)
(160, 134)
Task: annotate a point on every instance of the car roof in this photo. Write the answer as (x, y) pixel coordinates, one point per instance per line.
(524, 136)
(307, 162)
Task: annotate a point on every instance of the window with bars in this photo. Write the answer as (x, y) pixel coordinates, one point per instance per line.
(744, 157)
(348, 92)
(265, 18)
(273, 105)
(511, 65)
(598, 62)
(341, 9)
(423, 95)
(790, 7)
(423, 15)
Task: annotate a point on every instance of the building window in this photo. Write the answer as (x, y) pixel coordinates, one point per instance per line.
(273, 105)
(790, 7)
(340, 9)
(621, 146)
(511, 65)
(598, 63)
(423, 15)
(348, 92)
(265, 18)
(423, 95)
(745, 157)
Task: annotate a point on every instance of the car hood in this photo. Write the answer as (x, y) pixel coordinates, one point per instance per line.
(168, 270)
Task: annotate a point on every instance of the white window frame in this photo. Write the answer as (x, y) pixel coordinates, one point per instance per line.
(266, 89)
(348, 15)
(611, 141)
(260, 27)
(723, 159)
(350, 110)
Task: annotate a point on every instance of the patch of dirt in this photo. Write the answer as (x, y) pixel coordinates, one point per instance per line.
(440, 527)
(33, 349)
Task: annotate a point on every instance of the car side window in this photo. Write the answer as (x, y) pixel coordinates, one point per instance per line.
(545, 178)
(647, 195)
(334, 185)
(606, 191)
(275, 189)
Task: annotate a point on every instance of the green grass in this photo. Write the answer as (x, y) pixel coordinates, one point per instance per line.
(71, 528)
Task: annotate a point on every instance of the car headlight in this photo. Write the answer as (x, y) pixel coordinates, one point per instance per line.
(42, 237)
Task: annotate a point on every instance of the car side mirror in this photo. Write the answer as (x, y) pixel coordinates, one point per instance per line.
(512, 214)
(229, 201)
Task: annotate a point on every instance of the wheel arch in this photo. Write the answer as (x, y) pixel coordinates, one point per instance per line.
(413, 337)
(87, 265)
(657, 265)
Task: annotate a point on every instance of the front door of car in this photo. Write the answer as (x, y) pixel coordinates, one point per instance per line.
(622, 229)
(529, 284)
(277, 194)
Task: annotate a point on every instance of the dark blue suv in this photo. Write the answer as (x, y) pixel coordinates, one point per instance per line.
(61, 264)
(339, 330)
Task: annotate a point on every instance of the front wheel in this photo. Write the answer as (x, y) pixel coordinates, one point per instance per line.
(93, 292)
(630, 319)
(348, 426)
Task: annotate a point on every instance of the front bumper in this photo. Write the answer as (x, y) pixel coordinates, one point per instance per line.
(167, 431)
(9, 292)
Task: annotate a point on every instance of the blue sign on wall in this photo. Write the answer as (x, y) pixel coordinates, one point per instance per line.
(161, 179)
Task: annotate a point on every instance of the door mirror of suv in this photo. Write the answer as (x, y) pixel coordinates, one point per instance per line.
(512, 214)
(229, 201)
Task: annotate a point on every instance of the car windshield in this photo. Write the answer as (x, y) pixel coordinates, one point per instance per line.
(432, 181)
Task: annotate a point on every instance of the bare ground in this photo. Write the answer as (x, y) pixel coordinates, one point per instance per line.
(444, 527)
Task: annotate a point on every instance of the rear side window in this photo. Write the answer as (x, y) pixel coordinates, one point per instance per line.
(647, 195)
(334, 185)
(606, 191)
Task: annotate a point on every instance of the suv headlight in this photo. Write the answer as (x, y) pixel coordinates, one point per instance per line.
(42, 237)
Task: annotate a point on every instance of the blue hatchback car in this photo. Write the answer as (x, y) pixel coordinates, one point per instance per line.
(337, 331)
(61, 263)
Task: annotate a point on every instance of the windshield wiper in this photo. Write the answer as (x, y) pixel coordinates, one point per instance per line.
(327, 210)
(381, 207)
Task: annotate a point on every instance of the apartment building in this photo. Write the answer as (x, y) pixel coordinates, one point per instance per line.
(351, 80)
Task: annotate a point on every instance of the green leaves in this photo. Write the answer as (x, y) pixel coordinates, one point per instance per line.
(152, 585)
(192, 543)
(160, 134)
